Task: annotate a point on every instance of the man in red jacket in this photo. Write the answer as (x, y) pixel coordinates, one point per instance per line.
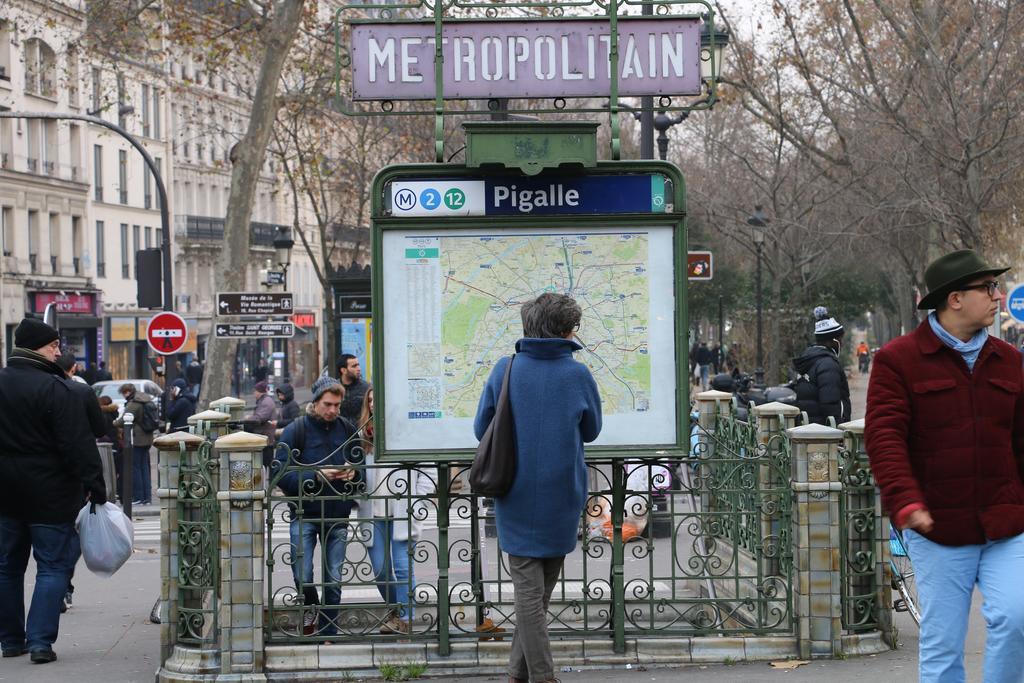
(945, 435)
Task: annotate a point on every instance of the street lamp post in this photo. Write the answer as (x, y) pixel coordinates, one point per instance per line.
(283, 244)
(758, 221)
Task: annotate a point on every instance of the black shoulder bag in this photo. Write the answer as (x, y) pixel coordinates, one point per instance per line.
(494, 467)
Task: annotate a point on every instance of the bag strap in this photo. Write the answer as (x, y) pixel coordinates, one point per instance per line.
(503, 395)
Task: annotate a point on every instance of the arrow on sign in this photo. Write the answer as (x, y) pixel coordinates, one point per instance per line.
(225, 304)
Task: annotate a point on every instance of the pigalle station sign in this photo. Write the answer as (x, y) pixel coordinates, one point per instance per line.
(526, 59)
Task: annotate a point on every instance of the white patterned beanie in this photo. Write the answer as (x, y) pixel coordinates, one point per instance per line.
(825, 325)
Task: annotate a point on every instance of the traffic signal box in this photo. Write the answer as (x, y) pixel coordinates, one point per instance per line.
(458, 248)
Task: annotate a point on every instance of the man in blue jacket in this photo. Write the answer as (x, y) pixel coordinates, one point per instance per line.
(315, 472)
(556, 408)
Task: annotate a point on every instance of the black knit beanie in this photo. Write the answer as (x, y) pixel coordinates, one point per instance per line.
(34, 334)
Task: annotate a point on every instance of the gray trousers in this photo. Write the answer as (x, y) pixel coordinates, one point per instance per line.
(533, 579)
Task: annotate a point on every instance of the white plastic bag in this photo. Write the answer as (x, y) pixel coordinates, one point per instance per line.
(106, 536)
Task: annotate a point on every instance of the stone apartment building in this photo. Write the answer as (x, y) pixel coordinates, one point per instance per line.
(77, 201)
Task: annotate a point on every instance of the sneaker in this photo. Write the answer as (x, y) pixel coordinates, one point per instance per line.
(68, 596)
(309, 623)
(395, 624)
(43, 656)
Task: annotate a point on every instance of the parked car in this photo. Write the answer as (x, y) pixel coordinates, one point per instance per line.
(110, 388)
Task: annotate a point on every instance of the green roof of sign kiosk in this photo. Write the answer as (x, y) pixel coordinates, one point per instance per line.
(531, 146)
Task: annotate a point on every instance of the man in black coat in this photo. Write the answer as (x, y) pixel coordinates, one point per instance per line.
(822, 390)
(48, 463)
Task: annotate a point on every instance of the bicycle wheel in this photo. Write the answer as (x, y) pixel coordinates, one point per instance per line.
(903, 580)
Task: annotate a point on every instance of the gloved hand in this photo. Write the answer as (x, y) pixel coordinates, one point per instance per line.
(98, 494)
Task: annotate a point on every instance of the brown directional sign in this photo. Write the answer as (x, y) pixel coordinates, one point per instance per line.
(255, 303)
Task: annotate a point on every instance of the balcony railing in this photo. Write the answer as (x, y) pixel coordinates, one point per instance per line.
(210, 228)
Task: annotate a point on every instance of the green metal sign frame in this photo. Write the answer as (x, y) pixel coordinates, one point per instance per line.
(674, 217)
(445, 12)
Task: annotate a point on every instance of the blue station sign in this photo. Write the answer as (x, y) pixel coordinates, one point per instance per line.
(1015, 303)
(518, 196)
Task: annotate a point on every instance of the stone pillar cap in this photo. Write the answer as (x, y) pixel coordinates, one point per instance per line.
(169, 442)
(713, 395)
(855, 426)
(227, 401)
(240, 441)
(209, 416)
(814, 432)
(776, 408)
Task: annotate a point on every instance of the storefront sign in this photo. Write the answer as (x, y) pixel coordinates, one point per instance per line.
(699, 265)
(359, 304)
(66, 303)
(485, 59)
(304, 320)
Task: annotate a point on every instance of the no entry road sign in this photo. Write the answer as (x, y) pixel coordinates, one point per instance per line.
(267, 330)
(255, 303)
(167, 333)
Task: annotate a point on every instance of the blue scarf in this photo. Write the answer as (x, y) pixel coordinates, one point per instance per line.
(968, 349)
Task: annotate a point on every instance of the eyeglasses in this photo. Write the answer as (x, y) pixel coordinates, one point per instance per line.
(577, 328)
(990, 287)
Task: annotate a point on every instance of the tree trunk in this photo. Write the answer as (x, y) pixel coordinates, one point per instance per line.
(247, 159)
(333, 324)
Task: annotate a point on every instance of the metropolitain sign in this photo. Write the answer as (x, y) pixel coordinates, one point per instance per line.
(520, 59)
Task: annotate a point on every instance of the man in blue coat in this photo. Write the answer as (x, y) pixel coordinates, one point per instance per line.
(556, 408)
(315, 472)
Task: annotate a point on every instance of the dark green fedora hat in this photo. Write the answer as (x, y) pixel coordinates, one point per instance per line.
(948, 272)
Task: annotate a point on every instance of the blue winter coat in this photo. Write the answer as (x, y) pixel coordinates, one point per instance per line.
(556, 408)
(326, 445)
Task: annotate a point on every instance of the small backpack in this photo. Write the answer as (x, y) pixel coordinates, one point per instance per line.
(149, 420)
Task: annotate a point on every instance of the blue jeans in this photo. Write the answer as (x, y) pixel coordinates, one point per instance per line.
(392, 568)
(333, 536)
(141, 474)
(945, 580)
(55, 547)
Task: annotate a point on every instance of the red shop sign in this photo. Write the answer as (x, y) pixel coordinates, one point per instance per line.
(66, 303)
(304, 319)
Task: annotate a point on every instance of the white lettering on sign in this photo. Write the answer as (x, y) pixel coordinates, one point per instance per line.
(526, 59)
(526, 200)
(173, 334)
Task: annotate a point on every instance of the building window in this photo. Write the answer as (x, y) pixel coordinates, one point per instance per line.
(156, 113)
(145, 110)
(136, 238)
(97, 172)
(7, 232)
(159, 238)
(124, 251)
(40, 69)
(76, 244)
(33, 240)
(122, 116)
(101, 250)
(149, 237)
(122, 175)
(97, 90)
(5, 50)
(147, 195)
(54, 242)
(73, 76)
(160, 169)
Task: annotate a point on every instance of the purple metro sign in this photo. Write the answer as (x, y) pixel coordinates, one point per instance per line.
(520, 59)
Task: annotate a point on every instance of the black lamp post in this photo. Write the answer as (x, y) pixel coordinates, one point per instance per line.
(283, 244)
(757, 222)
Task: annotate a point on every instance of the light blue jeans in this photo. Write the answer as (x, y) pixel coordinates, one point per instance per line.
(333, 536)
(392, 568)
(946, 576)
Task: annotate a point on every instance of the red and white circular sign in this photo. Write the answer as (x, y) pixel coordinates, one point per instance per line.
(167, 333)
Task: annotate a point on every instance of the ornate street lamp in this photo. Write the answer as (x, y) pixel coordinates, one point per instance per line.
(711, 58)
(283, 244)
(757, 222)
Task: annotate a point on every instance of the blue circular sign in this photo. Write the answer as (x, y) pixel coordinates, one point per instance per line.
(1015, 303)
(430, 199)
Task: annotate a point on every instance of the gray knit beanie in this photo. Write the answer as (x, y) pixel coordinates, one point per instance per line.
(323, 383)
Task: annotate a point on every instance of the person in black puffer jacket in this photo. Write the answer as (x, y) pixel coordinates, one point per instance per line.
(289, 408)
(183, 406)
(821, 387)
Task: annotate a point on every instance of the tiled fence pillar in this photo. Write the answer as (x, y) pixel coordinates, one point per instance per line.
(234, 407)
(241, 495)
(173, 449)
(210, 424)
(711, 404)
(817, 598)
